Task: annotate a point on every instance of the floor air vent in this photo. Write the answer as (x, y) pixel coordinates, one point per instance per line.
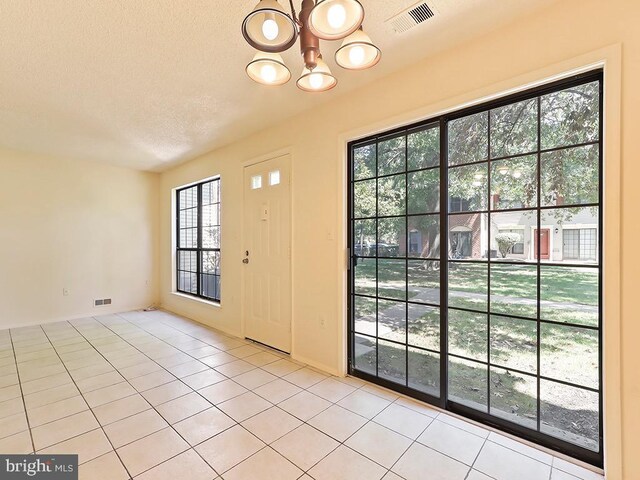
(411, 17)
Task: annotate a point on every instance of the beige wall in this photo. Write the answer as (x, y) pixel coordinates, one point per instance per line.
(567, 35)
(86, 227)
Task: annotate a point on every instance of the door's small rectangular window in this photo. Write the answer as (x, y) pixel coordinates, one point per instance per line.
(256, 182)
(274, 178)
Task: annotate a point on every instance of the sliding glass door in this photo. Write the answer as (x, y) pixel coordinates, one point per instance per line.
(475, 272)
(396, 258)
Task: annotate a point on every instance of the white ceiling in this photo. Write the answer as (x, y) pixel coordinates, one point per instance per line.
(150, 83)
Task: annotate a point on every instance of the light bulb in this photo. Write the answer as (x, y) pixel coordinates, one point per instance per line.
(268, 73)
(517, 174)
(477, 183)
(270, 29)
(503, 170)
(356, 55)
(315, 80)
(337, 16)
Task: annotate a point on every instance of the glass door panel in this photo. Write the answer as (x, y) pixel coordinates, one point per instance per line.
(395, 281)
(475, 272)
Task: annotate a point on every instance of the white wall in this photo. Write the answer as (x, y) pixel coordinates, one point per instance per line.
(85, 227)
(567, 35)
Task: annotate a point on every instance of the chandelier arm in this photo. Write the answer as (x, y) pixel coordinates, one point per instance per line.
(293, 13)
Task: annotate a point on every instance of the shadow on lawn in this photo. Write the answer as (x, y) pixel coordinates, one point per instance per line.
(512, 395)
(468, 333)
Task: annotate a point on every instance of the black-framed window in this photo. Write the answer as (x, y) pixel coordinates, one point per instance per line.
(198, 240)
(499, 315)
(457, 204)
(580, 243)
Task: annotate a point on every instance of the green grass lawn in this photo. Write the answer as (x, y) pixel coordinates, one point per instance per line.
(565, 412)
(518, 283)
(566, 353)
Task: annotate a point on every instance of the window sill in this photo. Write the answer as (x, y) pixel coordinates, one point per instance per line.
(196, 299)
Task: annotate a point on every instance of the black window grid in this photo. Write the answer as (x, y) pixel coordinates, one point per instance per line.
(591, 241)
(198, 253)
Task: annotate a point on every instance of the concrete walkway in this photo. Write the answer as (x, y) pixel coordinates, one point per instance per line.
(393, 318)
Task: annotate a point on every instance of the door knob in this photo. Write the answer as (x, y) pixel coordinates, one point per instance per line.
(245, 260)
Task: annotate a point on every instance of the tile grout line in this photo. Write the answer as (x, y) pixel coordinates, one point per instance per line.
(216, 407)
(478, 455)
(144, 436)
(305, 422)
(319, 413)
(152, 406)
(186, 352)
(272, 406)
(24, 403)
(181, 331)
(486, 439)
(413, 441)
(90, 408)
(150, 332)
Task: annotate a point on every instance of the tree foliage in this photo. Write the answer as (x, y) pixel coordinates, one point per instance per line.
(510, 137)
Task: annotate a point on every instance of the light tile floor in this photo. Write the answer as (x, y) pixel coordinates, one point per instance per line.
(153, 396)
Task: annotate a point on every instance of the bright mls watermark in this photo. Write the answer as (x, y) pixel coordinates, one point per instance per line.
(49, 467)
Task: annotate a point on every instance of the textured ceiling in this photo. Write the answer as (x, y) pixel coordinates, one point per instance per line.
(150, 83)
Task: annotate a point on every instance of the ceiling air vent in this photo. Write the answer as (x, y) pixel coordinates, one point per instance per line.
(421, 13)
(411, 17)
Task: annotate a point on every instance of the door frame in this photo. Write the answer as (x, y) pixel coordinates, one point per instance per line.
(610, 59)
(285, 152)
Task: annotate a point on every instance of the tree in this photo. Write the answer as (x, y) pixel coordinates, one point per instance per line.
(508, 134)
(506, 241)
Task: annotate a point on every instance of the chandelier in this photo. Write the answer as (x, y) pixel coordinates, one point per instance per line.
(271, 30)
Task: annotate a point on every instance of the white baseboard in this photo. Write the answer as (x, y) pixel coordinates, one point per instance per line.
(317, 365)
(224, 330)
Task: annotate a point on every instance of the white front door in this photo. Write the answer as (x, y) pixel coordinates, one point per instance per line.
(267, 252)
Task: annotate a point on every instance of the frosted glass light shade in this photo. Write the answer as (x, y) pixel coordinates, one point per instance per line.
(358, 52)
(319, 79)
(335, 19)
(279, 33)
(268, 69)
